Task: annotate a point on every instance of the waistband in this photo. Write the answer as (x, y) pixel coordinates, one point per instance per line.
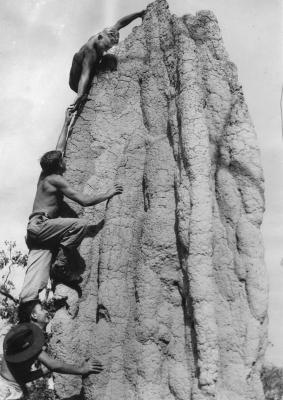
(38, 213)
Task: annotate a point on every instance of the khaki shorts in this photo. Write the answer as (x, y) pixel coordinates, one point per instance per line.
(44, 236)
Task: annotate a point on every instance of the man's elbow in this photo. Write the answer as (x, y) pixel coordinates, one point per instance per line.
(83, 201)
(60, 147)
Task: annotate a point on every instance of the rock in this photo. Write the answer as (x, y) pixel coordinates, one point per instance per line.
(174, 288)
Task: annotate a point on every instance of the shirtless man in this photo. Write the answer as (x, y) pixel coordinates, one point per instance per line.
(86, 60)
(46, 231)
(24, 346)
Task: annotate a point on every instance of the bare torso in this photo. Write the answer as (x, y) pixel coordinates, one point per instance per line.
(90, 51)
(85, 61)
(48, 198)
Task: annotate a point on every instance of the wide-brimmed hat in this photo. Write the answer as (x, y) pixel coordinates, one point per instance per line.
(23, 342)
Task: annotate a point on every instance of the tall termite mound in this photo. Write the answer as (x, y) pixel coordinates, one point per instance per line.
(173, 294)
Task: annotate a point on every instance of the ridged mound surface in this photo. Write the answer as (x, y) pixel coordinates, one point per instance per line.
(174, 292)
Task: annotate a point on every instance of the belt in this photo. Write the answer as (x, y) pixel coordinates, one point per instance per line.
(38, 213)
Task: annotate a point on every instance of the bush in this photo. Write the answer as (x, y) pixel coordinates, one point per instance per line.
(10, 258)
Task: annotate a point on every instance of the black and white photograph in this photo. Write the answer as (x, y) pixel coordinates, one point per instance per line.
(141, 202)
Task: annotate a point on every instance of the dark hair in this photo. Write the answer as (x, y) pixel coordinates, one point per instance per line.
(25, 310)
(50, 161)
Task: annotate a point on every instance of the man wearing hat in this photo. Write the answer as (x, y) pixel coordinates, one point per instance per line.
(86, 60)
(24, 345)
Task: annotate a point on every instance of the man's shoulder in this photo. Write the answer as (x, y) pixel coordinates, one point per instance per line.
(53, 179)
(89, 47)
(87, 53)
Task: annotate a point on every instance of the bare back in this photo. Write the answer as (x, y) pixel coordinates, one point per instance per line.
(87, 57)
(48, 197)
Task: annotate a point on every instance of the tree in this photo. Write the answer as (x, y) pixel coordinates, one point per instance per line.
(10, 257)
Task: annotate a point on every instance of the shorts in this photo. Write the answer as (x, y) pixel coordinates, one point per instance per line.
(44, 236)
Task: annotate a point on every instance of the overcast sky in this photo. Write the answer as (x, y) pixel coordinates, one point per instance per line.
(37, 41)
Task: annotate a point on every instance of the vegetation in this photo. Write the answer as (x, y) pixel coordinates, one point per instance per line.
(10, 258)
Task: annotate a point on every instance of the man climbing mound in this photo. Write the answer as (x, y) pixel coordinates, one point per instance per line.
(87, 59)
(46, 230)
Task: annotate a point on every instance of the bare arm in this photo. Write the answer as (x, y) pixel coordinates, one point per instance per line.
(81, 198)
(87, 66)
(62, 141)
(88, 367)
(121, 23)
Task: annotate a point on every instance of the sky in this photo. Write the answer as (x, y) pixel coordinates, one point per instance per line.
(37, 41)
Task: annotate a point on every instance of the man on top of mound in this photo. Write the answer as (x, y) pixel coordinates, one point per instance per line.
(86, 60)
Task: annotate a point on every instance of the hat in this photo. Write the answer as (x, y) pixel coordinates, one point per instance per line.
(23, 342)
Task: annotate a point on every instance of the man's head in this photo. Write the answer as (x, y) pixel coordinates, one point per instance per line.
(33, 311)
(23, 343)
(108, 38)
(103, 42)
(52, 162)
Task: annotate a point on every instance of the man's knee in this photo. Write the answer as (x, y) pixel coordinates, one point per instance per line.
(73, 83)
(82, 223)
(76, 232)
(75, 73)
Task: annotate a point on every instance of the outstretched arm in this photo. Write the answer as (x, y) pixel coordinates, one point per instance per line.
(121, 23)
(81, 198)
(87, 66)
(62, 141)
(88, 367)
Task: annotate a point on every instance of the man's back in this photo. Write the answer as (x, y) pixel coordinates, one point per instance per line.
(48, 198)
(88, 56)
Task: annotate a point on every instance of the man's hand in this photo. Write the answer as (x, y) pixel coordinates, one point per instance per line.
(142, 13)
(45, 370)
(68, 116)
(77, 103)
(117, 189)
(91, 367)
(74, 107)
